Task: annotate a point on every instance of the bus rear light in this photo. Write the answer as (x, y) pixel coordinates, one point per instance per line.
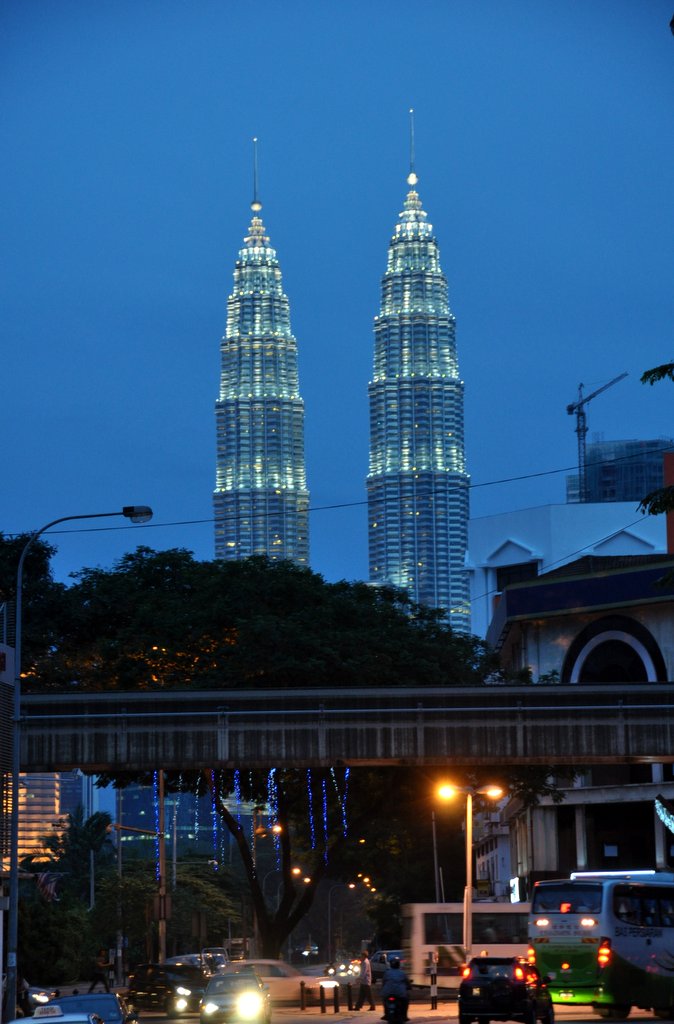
(604, 952)
(587, 922)
(531, 955)
(542, 922)
(566, 966)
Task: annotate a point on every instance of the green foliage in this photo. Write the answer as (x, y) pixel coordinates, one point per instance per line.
(42, 598)
(123, 904)
(660, 501)
(54, 940)
(657, 373)
(68, 852)
(162, 620)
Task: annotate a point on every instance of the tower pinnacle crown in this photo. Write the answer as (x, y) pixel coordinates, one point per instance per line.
(256, 205)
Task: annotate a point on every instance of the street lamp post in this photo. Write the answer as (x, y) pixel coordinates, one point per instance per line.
(137, 514)
(447, 792)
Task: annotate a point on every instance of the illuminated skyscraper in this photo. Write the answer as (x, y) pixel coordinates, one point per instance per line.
(261, 500)
(417, 484)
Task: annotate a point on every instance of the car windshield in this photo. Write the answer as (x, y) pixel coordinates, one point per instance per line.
(491, 968)
(231, 983)
(276, 970)
(104, 1005)
(183, 972)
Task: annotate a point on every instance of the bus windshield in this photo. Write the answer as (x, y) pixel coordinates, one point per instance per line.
(567, 898)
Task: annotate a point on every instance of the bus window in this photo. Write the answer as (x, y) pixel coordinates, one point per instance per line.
(667, 911)
(649, 912)
(626, 908)
(567, 898)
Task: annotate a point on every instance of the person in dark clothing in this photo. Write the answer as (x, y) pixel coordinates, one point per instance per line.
(396, 983)
(101, 967)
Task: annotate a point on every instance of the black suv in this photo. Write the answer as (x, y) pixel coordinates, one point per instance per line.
(504, 988)
(176, 989)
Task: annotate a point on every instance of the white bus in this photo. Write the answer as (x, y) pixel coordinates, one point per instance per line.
(607, 940)
(433, 934)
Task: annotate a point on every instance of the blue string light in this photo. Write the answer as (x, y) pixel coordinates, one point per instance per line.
(325, 820)
(155, 800)
(237, 794)
(214, 820)
(664, 814)
(312, 824)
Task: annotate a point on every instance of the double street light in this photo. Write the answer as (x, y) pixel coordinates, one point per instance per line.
(447, 791)
(136, 514)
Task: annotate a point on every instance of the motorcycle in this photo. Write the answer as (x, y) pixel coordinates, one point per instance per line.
(395, 1009)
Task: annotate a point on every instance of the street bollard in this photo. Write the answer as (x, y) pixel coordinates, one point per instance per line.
(303, 996)
(335, 998)
(434, 987)
(321, 998)
(349, 996)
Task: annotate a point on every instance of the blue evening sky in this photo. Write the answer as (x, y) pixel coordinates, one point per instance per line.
(545, 153)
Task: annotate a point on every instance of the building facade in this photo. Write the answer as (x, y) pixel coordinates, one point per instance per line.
(417, 484)
(512, 547)
(596, 621)
(621, 470)
(261, 501)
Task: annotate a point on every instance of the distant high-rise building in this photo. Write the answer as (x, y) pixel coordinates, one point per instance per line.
(261, 501)
(621, 470)
(417, 483)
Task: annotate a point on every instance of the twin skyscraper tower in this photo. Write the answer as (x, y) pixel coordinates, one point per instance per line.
(417, 484)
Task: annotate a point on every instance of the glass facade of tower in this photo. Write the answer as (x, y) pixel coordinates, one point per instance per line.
(417, 483)
(261, 500)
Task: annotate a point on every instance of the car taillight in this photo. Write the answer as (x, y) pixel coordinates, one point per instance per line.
(519, 973)
(465, 971)
(604, 952)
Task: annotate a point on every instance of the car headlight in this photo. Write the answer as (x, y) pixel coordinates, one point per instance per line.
(182, 991)
(180, 1003)
(40, 997)
(209, 1007)
(249, 1005)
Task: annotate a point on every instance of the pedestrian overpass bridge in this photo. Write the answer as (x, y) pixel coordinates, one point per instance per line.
(487, 725)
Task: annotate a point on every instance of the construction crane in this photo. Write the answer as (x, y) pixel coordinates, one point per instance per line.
(581, 429)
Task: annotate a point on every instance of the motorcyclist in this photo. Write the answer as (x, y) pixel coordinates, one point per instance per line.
(396, 983)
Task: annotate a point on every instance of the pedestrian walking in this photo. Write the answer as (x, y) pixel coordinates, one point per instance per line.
(101, 967)
(365, 987)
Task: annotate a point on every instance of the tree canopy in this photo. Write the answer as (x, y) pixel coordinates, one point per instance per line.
(661, 500)
(162, 620)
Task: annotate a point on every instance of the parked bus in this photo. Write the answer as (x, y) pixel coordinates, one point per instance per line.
(433, 935)
(607, 940)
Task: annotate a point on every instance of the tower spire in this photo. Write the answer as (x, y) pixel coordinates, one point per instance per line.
(256, 205)
(412, 178)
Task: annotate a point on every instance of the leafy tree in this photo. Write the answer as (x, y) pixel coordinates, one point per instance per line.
(42, 597)
(69, 852)
(162, 620)
(662, 499)
(55, 940)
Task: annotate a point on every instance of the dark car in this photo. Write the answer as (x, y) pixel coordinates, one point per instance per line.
(236, 997)
(504, 988)
(110, 1007)
(175, 989)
